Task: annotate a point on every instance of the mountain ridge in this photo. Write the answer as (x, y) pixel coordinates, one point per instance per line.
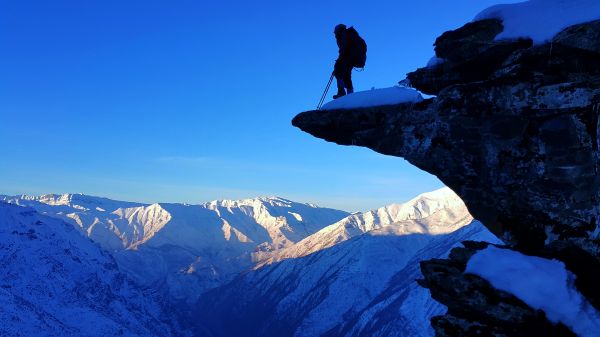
(188, 248)
(420, 207)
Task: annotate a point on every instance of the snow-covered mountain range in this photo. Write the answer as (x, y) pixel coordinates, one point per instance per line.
(56, 282)
(185, 249)
(437, 212)
(274, 266)
(268, 221)
(353, 278)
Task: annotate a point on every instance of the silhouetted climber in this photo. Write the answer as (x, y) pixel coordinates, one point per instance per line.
(352, 53)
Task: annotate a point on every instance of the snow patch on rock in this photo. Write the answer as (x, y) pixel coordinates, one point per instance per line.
(540, 19)
(375, 97)
(541, 283)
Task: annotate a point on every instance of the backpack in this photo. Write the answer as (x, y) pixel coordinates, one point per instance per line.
(359, 48)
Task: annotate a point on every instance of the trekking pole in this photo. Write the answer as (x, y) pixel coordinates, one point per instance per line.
(325, 93)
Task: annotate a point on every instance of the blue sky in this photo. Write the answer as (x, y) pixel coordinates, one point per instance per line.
(189, 101)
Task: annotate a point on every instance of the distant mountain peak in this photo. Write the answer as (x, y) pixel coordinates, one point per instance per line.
(275, 201)
(437, 212)
(77, 200)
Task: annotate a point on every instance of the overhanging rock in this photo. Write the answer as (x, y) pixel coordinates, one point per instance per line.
(516, 138)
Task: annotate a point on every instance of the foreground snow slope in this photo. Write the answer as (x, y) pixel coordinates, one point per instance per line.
(56, 282)
(186, 249)
(361, 285)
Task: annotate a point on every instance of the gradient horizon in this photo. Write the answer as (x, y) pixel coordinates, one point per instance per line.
(191, 101)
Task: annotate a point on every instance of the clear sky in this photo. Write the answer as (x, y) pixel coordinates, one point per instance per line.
(190, 101)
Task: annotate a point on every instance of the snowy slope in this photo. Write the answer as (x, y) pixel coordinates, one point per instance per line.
(186, 249)
(541, 19)
(92, 215)
(56, 282)
(362, 285)
(285, 221)
(436, 212)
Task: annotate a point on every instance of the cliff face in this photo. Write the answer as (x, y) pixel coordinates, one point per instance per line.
(513, 130)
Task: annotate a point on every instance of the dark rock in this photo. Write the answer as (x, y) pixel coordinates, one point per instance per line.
(584, 36)
(431, 80)
(477, 57)
(523, 157)
(470, 54)
(460, 256)
(448, 326)
(468, 41)
(451, 326)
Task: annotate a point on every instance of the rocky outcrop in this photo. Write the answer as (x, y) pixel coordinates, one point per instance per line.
(496, 312)
(470, 54)
(513, 131)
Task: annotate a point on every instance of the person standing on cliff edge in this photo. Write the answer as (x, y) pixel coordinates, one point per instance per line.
(352, 54)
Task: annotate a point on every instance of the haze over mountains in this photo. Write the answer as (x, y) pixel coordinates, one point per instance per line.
(274, 266)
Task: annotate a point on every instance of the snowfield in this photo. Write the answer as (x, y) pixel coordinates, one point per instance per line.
(540, 20)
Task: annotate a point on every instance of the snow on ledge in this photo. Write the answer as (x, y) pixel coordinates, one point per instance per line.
(541, 19)
(375, 97)
(541, 283)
